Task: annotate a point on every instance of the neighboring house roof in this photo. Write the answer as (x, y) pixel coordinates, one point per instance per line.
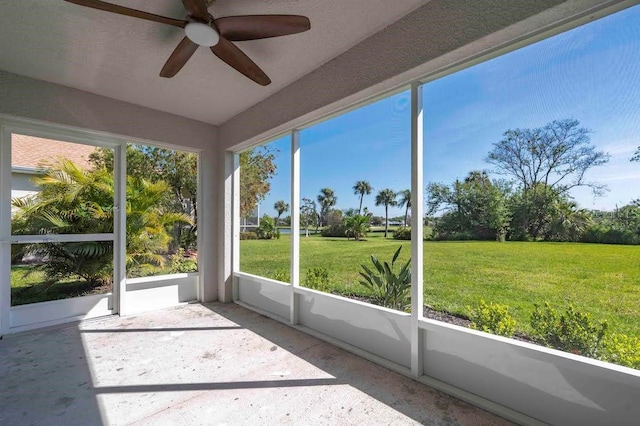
(30, 152)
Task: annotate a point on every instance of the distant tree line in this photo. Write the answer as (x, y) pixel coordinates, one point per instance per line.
(532, 202)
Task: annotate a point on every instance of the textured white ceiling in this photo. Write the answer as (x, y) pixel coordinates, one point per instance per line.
(120, 57)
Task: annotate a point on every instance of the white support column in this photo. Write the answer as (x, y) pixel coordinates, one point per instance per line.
(295, 224)
(119, 230)
(5, 229)
(235, 226)
(417, 216)
(227, 232)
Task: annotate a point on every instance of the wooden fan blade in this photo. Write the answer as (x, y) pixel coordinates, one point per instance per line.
(253, 27)
(233, 56)
(197, 9)
(186, 48)
(121, 10)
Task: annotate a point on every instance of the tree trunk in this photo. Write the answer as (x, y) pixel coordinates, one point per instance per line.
(386, 220)
(360, 208)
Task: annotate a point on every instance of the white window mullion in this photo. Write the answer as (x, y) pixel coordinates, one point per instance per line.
(417, 216)
(295, 224)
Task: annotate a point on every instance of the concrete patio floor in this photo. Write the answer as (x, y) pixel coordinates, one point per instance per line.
(206, 364)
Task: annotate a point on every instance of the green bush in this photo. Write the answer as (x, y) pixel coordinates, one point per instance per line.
(623, 350)
(572, 331)
(317, 279)
(335, 230)
(267, 228)
(281, 275)
(248, 236)
(180, 264)
(403, 233)
(391, 288)
(492, 318)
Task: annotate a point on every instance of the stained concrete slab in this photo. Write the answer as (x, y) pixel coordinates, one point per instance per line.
(214, 364)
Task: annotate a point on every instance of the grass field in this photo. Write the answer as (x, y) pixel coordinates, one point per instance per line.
(603, 280)
(30, 286)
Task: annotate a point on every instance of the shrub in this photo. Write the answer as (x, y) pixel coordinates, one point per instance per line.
(335, 230)
(402, 233)
(492, 318)
(390, 287)
(281, 275)
(317, 279)
(267, 228)
(248, 236)
(572, 331)
(623, 350)
(179, 263)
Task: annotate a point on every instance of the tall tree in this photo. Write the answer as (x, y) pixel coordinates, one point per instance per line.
(257, 167)
(552, 159)
(405, 201)
(557, 155)
(281, 207)
(327, 199)
(386, 198)
(308, 214)
(362, 188)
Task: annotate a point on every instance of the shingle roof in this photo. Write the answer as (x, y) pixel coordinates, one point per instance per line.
(31, 152)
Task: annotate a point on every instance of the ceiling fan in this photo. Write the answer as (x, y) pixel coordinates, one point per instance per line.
(202, 29)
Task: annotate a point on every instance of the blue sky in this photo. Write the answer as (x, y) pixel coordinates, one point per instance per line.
(591, 74)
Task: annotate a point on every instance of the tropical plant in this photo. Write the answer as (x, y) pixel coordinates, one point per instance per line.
(72, 200)
(356, 226)
(405, 201)
(386, 198)
(281, 207)
(327, 199)
(390, 284)
(362, 188)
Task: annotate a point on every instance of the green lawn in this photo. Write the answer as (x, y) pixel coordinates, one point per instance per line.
(603, 280)
(30, 286)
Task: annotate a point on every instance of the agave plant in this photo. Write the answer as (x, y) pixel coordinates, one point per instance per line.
(390, 283)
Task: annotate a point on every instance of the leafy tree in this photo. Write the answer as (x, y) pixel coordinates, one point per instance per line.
(176, 168)
(281, 207)
(72, 200)
(356, 226)
(558, 155)
(405, 201)
(308, 214)
(257, 167)
(473, 209)
(546, 162)
(327, 199)
(386, 198)
(362, 188)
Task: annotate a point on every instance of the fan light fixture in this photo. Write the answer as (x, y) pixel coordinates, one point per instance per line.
(202, 34)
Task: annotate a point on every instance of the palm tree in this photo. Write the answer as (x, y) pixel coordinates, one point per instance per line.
(281, 207)
(405, 201)
(72, 200)
(356, 226)
(386, 198)
(362, 188)
(327, 199)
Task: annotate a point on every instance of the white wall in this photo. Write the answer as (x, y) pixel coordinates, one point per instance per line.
(523, 382)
